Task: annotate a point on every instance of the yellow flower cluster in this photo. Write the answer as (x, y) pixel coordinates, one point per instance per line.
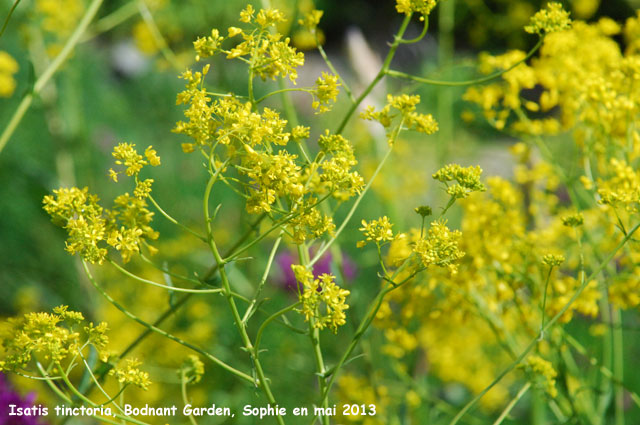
(8, 67)
(544, 369)
(622, 188)
(56, 340)
(90, 227)
(573, 220)
(423, 7)
(406, 116)
(131, 375)
(376, 231)
(323, 302)
(50, 337)
(193, 369)
(552, 260)
(551, 19)
(247, 147)
(266, 52)
(440, 247)
(467, 178)
(326, 91)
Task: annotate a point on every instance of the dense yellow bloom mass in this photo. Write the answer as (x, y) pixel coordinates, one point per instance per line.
(551, 19)
(467, 180)
(376, 231)
(423, 7)
(91, 228)
(545, 370)
(440, 247)
(323, 302)
(326, 91)
(56, 340)
(8, 67)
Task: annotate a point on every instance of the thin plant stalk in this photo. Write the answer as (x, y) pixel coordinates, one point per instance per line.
(159, 331)
(49, 72)
(512, 403)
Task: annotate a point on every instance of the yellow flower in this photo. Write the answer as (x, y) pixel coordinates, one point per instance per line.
(551, 19)
(8, 67)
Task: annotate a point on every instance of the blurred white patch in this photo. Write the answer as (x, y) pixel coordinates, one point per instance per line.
(128, 60)
(366, 64)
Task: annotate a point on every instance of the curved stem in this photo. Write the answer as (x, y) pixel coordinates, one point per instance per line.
(399, 74)
(185, 399)
(425, 28)
(271, 319)
(110, 399)
(159, 285)
(176, 222)
(159, 331)
(307, 90)
(49, 380)
(48, 73)
(6, 21)
(112, 20)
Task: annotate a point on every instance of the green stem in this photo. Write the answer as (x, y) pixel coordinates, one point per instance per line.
(346, 87)
(160, 285)
(326, 246)
(603, 369)
(88, 401)
(244, 237)
(54, 388)
(383, 71)
(271, 319)
(544, 303)
(262, 380)
(185, 399)
(306, 90)
(550, 323)
(111, 21)
(512, 403)
(263, 280)
(159, 331)
(6, 21)
(110, 399)
(398, 74)
(618, 366)
(425, 28)
(48, 73)
(314, 335)
(374, 306)
(176, 222)
(168, 54)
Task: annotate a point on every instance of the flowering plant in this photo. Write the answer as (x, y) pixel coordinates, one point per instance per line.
(481, 293)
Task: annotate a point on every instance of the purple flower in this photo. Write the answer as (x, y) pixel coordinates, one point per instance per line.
(288, 280)
(9, 396)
